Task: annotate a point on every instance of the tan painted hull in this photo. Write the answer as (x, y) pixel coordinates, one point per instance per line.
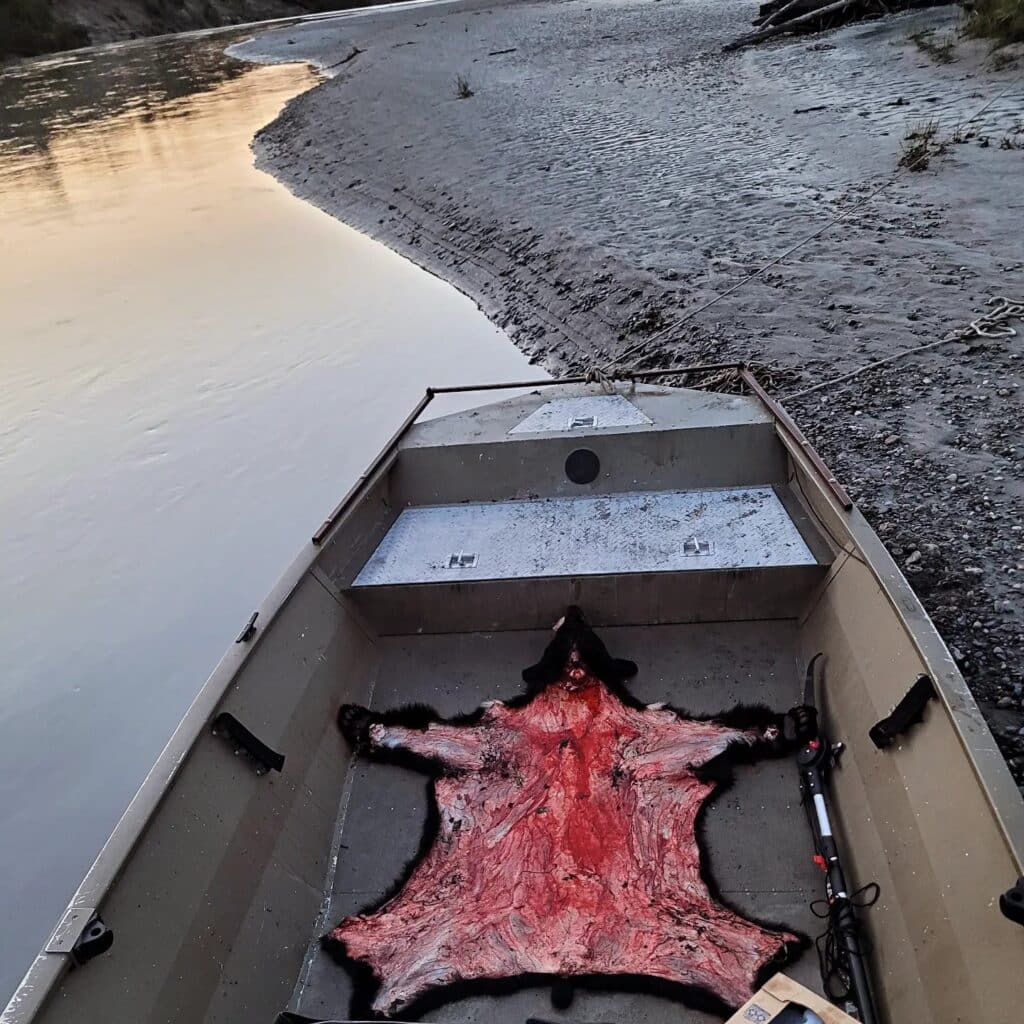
(218, 879)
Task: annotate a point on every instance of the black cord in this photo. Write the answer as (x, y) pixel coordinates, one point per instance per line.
(831, 943)
(794, 476)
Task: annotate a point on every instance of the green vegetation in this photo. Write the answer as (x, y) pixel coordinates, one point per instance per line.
(940, 49)
(1002, 21)
(28, 27)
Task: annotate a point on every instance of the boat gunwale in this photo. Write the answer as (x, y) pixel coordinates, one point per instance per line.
(990, 769)
(988, 764)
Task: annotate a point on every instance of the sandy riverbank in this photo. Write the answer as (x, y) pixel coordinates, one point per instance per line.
(614, 169)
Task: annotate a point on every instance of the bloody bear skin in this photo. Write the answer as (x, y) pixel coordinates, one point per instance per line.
(566, 842)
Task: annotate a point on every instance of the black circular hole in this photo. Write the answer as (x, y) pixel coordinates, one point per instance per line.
(582, 466)
(1016, 896)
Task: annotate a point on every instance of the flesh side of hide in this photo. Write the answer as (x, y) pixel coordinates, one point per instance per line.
(567, 846)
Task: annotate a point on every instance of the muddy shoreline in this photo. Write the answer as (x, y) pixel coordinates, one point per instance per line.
(613, 170)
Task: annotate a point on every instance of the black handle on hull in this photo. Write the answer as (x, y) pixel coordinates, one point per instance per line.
(226, 723)
(908, 712)
(1011, 903)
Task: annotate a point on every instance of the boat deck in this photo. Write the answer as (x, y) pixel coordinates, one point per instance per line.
(756, 835)
(643, 531)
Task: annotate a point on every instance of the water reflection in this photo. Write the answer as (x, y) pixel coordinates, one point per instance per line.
(79, 89)
(196, 365)
(110, 110)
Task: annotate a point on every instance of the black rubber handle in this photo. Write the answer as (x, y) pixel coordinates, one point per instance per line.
(225, 722)
(1011, 903)
(908, 712)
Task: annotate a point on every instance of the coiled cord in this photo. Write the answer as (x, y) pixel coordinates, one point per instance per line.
(831, 943)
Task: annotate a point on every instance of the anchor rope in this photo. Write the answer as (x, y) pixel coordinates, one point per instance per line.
(981, 327)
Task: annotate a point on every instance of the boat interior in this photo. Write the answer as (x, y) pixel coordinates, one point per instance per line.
(702, 542)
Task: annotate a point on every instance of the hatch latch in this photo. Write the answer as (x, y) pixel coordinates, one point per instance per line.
(696, 546)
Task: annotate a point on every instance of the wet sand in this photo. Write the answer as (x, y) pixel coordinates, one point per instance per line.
(613, 170)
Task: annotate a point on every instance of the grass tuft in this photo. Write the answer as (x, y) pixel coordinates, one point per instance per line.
(941, 49)
(1002, 21)
(462, 89)
(919, 146)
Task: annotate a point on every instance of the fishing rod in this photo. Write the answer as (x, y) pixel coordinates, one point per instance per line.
(841, 947)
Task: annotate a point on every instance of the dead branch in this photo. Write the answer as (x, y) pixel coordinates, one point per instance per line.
(822, 9)
(786, 10)
(778, 17)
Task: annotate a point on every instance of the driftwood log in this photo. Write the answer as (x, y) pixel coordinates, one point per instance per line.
(780, 23)
(783, 10)
(779, 17)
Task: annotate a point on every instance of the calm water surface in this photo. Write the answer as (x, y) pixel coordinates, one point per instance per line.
(195, 366)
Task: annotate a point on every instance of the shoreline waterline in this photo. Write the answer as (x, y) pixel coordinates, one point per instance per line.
(198, 365)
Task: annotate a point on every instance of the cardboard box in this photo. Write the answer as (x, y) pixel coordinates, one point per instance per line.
(778, 999)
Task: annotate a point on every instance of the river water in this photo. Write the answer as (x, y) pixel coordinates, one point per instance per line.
(195, 366)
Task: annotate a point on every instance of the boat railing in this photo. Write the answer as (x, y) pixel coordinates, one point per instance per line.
(744, 375)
